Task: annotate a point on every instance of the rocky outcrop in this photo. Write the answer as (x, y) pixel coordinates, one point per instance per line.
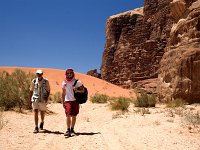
(94, 73)
(180, 66)
(135, 42)
(160, 41)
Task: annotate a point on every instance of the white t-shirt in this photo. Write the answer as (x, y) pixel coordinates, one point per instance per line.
(68, 85)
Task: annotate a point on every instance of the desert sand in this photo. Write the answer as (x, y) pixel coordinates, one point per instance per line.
(100, 128)
(93, 84)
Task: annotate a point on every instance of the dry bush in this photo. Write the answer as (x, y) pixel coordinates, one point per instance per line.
(1, 119)
(99, 98)
(117, 115)
(192, 117)
(14, 89)
(115, 103)
(145, 100)
(56, 97)
(119, 103)
(143, 111)
(176, 103)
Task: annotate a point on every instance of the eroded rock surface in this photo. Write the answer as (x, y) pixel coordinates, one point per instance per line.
(160, 40)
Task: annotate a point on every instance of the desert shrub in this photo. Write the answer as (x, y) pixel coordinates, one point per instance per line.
(193, 118)
(57, 97)
(119, 103)
(176, 103)
(6, 91)
(14, 89)
(1, 119)
(99, 98)
(145, 100)
(23, 82)
(143, 111)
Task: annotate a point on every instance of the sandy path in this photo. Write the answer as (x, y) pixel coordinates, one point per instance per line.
(101, 129)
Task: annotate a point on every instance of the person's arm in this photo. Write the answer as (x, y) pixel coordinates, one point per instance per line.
(63, 97)
(31, 93)
(48, 86)
(30, 97)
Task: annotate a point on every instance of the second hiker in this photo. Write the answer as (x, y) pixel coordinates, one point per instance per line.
(69, 102)
(39, 93)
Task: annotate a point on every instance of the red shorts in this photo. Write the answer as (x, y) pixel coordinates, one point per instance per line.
(71, 108)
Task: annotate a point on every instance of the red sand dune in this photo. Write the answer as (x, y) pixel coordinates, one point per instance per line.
(94, 85)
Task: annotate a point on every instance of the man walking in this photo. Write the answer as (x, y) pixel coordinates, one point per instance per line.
(69, 102)
(39, 94)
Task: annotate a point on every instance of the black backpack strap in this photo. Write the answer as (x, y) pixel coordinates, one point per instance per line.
(75, 82)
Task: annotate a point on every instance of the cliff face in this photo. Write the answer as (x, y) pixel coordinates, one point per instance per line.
(179, 75)
(160, 40)
(135, 42)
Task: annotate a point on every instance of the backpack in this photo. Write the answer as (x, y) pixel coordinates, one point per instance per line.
(81, 97)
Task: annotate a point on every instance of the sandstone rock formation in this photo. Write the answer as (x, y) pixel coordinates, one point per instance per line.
(161, 38)
(94, 73)
(135, 42)
(180, 66)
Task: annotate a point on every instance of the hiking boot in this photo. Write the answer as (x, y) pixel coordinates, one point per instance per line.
(67, 133)
(41, 125)
(36, 130)
(73, 132)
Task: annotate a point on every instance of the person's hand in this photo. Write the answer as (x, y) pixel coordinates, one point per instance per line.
(46, 100)
(64, 106)
(30, 104)
(75, 89)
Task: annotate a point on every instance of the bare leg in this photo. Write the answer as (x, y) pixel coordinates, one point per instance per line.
(36, 117)
(42, 113)
(68, 121)
(73, 121)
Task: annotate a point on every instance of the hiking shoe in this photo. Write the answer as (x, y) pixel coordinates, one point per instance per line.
(67, 133)
(36, 130)
(41, 125)
(72, 132)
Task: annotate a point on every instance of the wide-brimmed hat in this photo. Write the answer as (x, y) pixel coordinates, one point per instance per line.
(39, 71)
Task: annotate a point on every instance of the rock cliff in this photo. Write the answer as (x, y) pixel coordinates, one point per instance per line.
(135, 42)
(159, 41)
(179, 75)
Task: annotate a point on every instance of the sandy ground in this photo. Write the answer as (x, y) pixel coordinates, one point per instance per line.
(100, 128)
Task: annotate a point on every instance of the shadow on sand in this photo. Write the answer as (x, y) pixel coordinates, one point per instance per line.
(85, 133)
(51, 132)
(77, 133)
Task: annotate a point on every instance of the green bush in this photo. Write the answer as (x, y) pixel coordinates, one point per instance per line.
(145, 100)
(119, 103)
(99, 98)
(1, 119)
(57, 97)
(193, 118)
(14, 89)
(6, 92)
(176, 103)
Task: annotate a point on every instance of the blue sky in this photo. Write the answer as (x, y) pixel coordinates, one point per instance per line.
(56, 33)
